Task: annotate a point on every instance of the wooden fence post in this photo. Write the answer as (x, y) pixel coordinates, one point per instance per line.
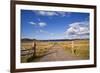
(34, 48)
(72, 44)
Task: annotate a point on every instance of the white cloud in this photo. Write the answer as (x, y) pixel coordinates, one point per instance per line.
(62, 13)
(33, 23)
(42, 24)
(53, 13)
(39, 24)
(47, 13)
(78, 29)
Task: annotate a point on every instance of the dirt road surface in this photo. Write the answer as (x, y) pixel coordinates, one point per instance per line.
(57, 53)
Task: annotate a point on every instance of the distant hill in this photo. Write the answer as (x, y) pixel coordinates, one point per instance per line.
(30, 40)
(27, 40)
(62, 39)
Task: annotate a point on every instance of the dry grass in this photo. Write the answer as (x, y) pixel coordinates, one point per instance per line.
(81, 48)
(26, 45)
(41, 49)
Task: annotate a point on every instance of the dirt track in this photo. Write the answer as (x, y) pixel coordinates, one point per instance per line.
(57, 53)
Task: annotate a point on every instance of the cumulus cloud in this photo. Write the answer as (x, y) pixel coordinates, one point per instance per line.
(33, 23)
(52, 13)
(78, 29)
(64, 13)
(39, 24)
(47, 13)
(42, 24)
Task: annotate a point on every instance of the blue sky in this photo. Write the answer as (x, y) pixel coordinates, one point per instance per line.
(43, 25)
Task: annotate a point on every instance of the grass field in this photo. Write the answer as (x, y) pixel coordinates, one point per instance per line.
(80, 48)
(41, 49)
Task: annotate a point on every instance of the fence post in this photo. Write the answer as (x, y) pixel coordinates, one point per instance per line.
(72, 44)
(34, 48)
